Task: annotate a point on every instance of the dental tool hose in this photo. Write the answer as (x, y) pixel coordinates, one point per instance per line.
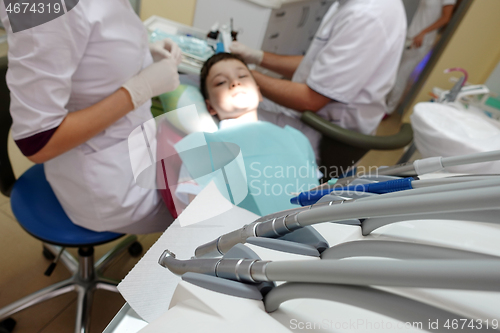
(491, 181)
(445, 274)
(396, 185)
(311, 197)
(422, 166)
(433, 164)
(474, 199)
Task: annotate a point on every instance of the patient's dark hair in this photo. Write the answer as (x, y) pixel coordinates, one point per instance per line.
(208, 65)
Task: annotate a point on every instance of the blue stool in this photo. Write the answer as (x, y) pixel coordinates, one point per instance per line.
(38, 211)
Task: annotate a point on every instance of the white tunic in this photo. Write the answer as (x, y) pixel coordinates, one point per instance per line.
(68, 64)
(428, 12)
(353, 60)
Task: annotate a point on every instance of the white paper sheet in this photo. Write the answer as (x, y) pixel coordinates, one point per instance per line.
(148, 287)
(210, 203)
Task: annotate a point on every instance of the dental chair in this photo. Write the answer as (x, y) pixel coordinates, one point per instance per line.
(172, 130)
(341, 148)
(40, 214)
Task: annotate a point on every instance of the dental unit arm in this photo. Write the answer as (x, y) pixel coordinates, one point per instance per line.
(483, 198)
(486, 216)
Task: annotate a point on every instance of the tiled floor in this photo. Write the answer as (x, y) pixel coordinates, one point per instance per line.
(22, 263)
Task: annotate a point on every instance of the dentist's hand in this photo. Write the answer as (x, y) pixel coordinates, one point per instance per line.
(248, 54)
(154, 80)
(165, 48)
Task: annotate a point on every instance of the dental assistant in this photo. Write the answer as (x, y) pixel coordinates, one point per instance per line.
(431, 15)
(79, 85)
(346, 73)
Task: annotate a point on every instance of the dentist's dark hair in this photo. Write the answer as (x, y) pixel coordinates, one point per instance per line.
(208, 65)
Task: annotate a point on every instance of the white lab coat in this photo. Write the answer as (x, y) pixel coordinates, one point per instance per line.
(71, 63)
(428, 12)
(353, 60)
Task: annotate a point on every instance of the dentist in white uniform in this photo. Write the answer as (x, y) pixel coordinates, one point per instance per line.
(79, 85)
(346, 73)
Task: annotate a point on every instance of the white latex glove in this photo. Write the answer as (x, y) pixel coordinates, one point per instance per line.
(165, 48)
(248, 54)
(154, 80)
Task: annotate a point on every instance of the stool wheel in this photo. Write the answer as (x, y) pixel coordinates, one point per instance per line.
(135, 249)
(47, 254)
(7, 326)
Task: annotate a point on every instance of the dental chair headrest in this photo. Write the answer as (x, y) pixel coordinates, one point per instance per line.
(183, 96)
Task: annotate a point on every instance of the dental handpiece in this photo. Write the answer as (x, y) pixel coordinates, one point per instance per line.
(478, 274)
(433, 164)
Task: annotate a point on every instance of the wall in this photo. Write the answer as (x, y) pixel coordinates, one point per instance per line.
(493, 81)
(181, 11)
(474, 46)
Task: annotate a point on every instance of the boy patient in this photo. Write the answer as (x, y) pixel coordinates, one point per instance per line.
(277, 161)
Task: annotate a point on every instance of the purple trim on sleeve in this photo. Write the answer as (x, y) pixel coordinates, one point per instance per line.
(33, 144)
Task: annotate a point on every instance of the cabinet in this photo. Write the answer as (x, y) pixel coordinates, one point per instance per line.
(283, 27)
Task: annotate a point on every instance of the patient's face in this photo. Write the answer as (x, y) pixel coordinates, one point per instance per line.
(232, 90)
